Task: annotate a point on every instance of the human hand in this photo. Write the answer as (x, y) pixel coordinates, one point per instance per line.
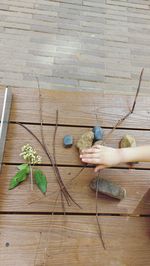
(102, 156)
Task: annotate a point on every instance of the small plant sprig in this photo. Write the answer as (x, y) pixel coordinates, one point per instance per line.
(31, 157)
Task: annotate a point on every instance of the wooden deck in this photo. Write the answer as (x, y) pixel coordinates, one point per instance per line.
(75, 44)
(33, 229)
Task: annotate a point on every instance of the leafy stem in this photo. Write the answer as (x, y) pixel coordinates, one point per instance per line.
(31, 176)
(31, 157)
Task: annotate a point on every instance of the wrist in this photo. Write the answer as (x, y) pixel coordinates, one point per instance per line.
(127, 155)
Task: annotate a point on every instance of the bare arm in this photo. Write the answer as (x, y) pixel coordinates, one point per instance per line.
(104, 156)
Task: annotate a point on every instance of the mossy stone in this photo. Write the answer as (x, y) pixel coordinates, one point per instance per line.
(85, 141)
(127, 141)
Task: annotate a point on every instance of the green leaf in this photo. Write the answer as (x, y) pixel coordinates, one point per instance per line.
(40, 180)
(18, 178)
(24, 166)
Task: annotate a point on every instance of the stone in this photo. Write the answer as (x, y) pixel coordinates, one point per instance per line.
(127, 141)
(98, 133)
(85, 141)
(68, 141)
(108, 188)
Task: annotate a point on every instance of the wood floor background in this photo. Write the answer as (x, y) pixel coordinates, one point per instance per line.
(33, 229)
(75, 44)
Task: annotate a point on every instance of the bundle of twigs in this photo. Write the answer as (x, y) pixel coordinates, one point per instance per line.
(65, 195)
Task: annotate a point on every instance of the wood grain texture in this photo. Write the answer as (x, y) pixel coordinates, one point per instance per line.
(75, 44)
(73, 240)
(136, 183)
(18, 136)
(79, 108)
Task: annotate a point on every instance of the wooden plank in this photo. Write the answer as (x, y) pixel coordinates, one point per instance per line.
(79, 108)
(18, 136)
(21, 199)
(73, 240)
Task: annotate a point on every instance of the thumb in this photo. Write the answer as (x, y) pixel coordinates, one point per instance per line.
(99, 167)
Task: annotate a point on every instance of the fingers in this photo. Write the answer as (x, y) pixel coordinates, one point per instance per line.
(99, 167)
(89, 155)
(91, 150)
(91, 160)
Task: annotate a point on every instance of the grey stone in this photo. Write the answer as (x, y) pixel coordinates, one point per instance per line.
(98, 133)
(68, 141)
(108, 188)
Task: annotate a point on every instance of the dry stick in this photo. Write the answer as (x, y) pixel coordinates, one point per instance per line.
(43, 147)
(119, 122)
(50, 158)
(42, 134)
(96, 211)
(47, 235)
(64, 187)
(54, 150)
(54, 156)
(138, 89)
(37, 248)
(55, 168)
(59, 179)
(108, 135)
(98, 222)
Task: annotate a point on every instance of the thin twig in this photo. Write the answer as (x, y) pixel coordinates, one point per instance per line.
(54, 156)
(55, 168)
(42, 135)
(59, 179)
(37, 248)
(108, 135)
(119, 122)
(54, 136)
(138, 89)
(98, 222)
(51, 160)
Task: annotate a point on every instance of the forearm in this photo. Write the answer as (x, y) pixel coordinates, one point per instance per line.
(136, 154)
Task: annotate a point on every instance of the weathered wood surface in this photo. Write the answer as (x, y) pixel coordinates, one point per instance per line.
(73, 240)
(74, 44)
(136, 183)
(79, 108)
(18, 136)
